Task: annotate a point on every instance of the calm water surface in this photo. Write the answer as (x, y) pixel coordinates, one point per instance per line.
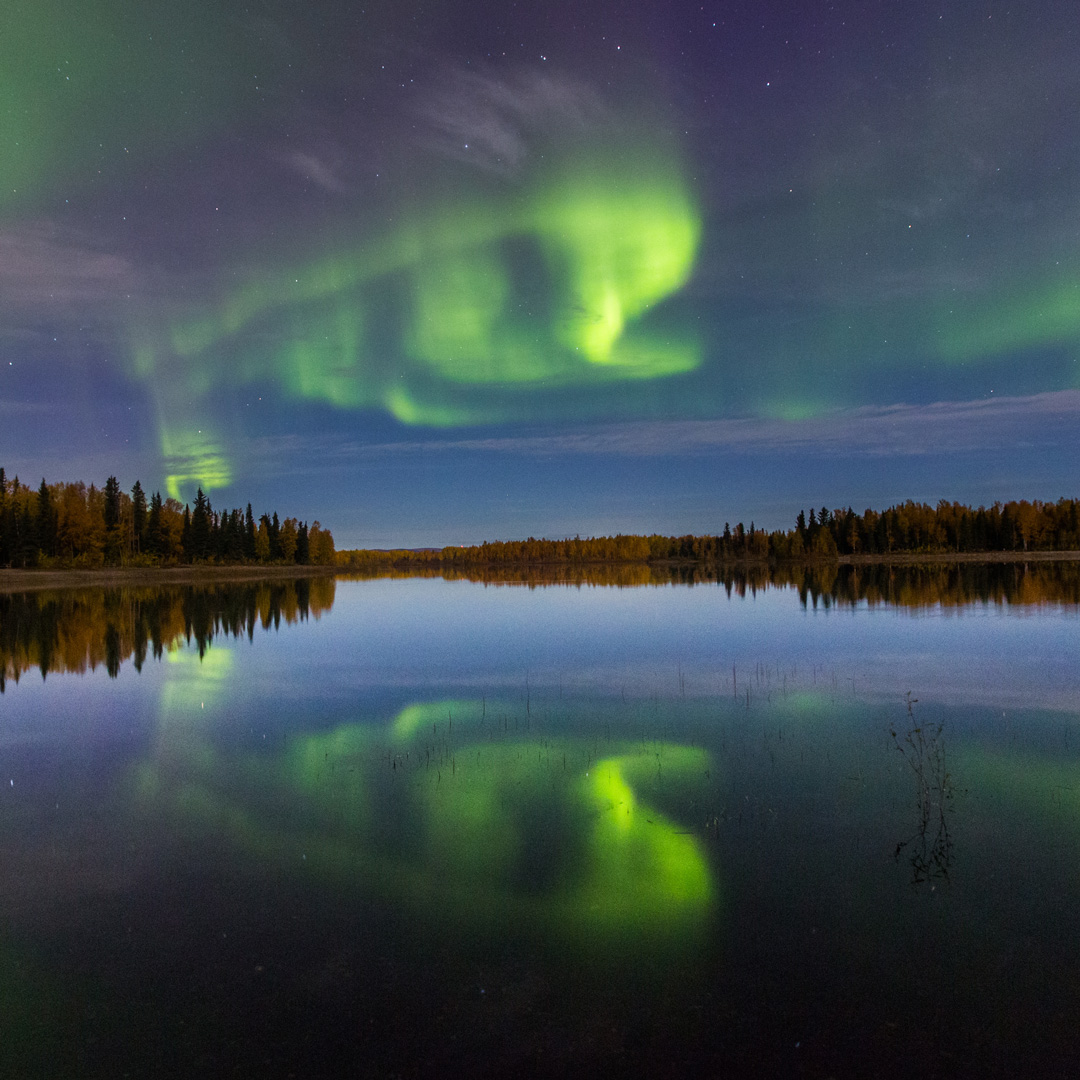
(414, 827)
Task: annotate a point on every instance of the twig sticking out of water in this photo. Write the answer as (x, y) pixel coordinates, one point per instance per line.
(923, 748)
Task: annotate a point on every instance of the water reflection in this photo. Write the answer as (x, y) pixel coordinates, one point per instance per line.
(446, 824)
(914, 585)
(76, 630)
(949, 585)
(564, 836)
(79, 630)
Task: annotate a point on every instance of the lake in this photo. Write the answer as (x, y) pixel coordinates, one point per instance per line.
(821, 824)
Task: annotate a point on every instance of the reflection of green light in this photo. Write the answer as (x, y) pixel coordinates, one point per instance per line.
(306, 763)
(530, 833)
(1040, 786)
(608, 786)
(213, 666)
(545, 287)
(644, 865)
(416, 720)
(472, 828)
(808, 704)
(194, 681)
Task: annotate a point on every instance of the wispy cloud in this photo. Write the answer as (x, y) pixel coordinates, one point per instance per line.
(495, 123)
(316, 170)
(880, 431)
(42, 265)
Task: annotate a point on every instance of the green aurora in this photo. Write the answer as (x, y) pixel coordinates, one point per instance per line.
(379, 225)
(548, 286)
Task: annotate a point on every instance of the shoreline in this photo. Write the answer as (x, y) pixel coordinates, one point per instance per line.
(148, 576)
(12, 581)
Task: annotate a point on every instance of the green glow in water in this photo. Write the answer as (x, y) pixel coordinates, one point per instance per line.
(644, 866)
(536, 831)
(418, 720)
(1046, 789)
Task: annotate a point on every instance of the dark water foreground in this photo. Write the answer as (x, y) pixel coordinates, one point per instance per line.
(427, 828)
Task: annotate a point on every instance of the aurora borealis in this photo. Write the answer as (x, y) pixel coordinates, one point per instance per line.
(443, 275)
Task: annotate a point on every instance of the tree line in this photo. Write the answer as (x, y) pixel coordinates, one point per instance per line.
(72, 525)
(905, 529)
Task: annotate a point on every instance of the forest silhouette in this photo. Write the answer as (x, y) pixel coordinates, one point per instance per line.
(70, 525)
(824, 535)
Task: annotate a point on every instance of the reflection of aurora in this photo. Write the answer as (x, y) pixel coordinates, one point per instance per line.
(456, 313)
(194, 679)
(536, 834)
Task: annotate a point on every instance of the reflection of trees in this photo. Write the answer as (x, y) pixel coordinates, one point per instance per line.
(628, 575)
(947, 584)
(76, 630)
(825, 584)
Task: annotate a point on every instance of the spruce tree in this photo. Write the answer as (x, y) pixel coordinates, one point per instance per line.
(199, 540)
(25, 540)
(112, 521)
(249, 534)
(138, 516)
(46, 521)
(5, 555)
(275, 538)
(185, 534)
(112, 503)
(155, 542)
(303, 550)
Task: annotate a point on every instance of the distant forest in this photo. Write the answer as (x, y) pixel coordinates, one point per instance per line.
(911, 528)
(71, 525)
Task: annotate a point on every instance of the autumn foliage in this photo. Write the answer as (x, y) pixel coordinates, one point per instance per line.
(822, 535)
(72, 525)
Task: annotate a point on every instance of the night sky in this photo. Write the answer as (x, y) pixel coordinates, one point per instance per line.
(443, 272)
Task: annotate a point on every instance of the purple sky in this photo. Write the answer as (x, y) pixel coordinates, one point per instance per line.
(435, 274)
